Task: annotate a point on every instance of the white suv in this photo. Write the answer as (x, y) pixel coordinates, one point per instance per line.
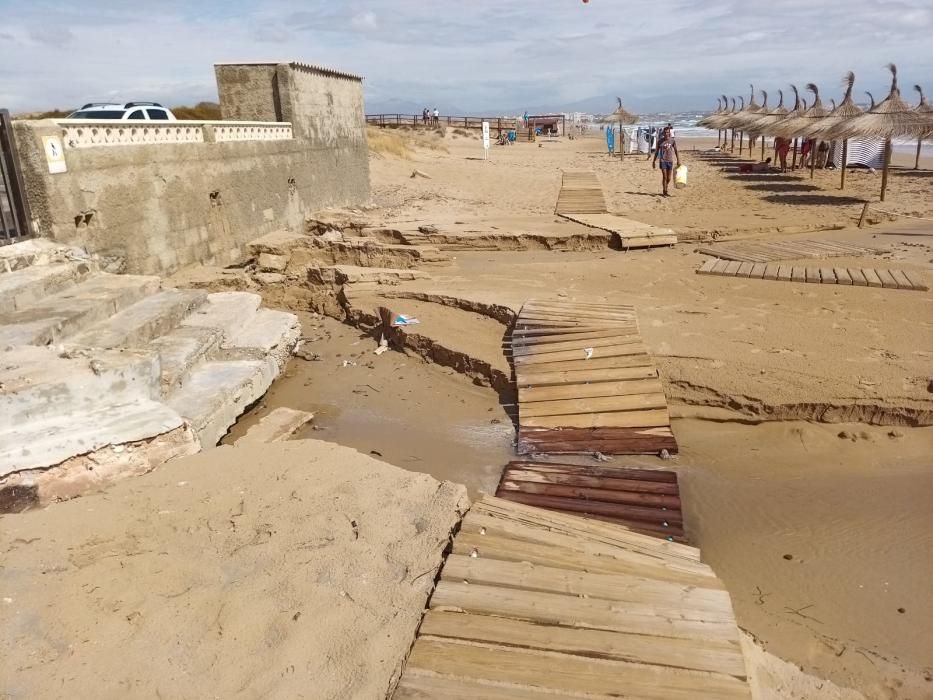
(146, 111)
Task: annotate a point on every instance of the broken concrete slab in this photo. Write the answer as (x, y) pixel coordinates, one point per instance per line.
(227, 311)
(217, 392)
(182, 349)
(37, 251)
(278, 243)
(276, 426)
(325, 568)
(351, 274)
(272, 263)
(269, 334)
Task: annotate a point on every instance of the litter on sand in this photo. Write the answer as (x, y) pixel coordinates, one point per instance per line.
(403, 320)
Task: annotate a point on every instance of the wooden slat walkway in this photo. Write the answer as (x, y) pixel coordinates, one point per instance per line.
(585, 381)
(851, 276)
(632, 234)
(580, 193)
(769, 251)
(645, 500)
(537, 605)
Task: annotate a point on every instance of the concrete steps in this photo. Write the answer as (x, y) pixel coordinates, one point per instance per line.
(90, 359)
(137, 325)
(70, 311)
(29, 285)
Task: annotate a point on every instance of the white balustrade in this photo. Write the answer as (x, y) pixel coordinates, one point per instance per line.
(88, 133)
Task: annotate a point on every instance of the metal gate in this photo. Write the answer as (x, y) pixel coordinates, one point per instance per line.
(14, 209)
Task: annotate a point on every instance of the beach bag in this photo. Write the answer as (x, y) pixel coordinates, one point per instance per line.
(680, 177)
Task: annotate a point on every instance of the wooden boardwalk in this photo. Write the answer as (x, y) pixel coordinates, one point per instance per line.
(536, 605)
(852, 276)
(585, 381)
(645, 500)
(769, 251)
(580, 193)
(632, 234)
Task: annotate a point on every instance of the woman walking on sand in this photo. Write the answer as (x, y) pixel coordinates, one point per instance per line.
(666, 152)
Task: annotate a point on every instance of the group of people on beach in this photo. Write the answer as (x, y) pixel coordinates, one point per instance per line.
(432, 118)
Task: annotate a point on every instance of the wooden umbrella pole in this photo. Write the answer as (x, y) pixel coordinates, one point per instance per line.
(884, 172)
(741, 141)
(762, 147)
(793, 165)
(813, 153)
(845, 159)
(917, 161)
(732, 147)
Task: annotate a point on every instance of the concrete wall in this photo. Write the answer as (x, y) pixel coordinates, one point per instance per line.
(162, 206)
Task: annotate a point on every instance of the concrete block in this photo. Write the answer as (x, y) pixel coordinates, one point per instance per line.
(137, 325)
(37, 251)
(277, 426)
(267, 278)
(71, 311)
(278, 243)
(352, 274)
(272, 263)
(180, 350)
(29, 285)
(227, 311)
(216, 393)
(269, 333)
(44, 443)
(38, 383)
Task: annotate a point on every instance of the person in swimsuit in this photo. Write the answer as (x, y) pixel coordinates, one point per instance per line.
(666, 152)
(782, 148)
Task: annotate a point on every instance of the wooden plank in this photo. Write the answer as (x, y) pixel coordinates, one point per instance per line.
(575, 314)
(670, 533)
(624, 441)
(785, 273)
(915, 280)
(902, 281)
(579, 353)
(642, 514)
(617, 484)
(578, 344)
(708, 655)
(672, 620)
(707, 267)
(640, 360)
(732, 268)
(842, 276)
(827, 276)
(858, 279)
(594, 390)
(417, 685)
(620, 419)
(601, 404)
(744, 270)
(590, 494)
(555, 378)
(529, 331)
(871, 277)
(660, 476)
(614, 536)
(758, 271)
(812, 274)
(565, 672)
(771, 272)
(580, 306)
(523, 340)
(720, 267)
(887, 279)
(798, 274)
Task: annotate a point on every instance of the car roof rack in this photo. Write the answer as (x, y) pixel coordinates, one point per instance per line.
(100, 104)
(143, 104)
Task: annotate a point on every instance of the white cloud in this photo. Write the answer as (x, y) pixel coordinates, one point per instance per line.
(474, 55)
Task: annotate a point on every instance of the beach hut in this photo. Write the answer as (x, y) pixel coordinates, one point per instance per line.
(923, 108)
(891, 118)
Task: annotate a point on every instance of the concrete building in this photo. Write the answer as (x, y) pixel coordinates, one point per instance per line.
(157, 196)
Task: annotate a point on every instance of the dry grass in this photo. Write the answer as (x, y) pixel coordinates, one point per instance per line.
(384, 142)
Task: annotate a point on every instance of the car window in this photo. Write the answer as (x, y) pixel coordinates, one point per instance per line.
(157, 114)
(98, 114)
(138, 114)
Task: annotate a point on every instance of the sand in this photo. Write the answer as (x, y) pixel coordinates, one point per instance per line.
(290, 570)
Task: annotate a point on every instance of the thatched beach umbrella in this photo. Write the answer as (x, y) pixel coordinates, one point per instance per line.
(765, 120)
(797, 126)
(923, 108)
(846, 110)
(731, 119)
(622, 117)
(889, 119)
(712, 121)
(745, 116)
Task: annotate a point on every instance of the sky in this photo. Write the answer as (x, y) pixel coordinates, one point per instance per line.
(474, 56)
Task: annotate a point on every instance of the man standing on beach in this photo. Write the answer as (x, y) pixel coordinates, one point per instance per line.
(666, 152)
(436, 117)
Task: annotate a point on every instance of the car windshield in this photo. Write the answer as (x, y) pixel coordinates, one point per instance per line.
(98, 114)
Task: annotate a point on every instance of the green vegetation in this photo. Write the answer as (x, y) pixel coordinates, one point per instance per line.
(202, 111)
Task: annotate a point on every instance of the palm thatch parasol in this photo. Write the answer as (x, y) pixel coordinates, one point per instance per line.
(761, 124)
(622, 117)
(730, 119)
(923, 108)
(748, 114)
(872, 99)
(796, 125)
(846, 110)
(718, 120)
(887, 120)
(704, 122)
